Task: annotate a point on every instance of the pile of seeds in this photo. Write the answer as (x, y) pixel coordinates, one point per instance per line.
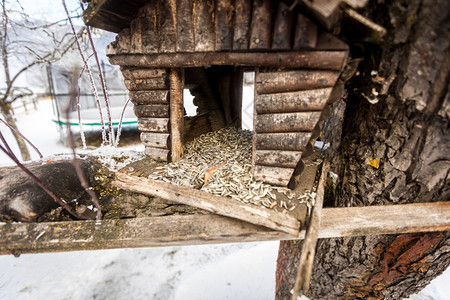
(223, 159)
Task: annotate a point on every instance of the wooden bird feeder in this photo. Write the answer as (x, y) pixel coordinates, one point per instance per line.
(166, 46)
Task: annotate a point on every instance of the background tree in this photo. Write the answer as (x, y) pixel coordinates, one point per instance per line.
(407, 130)
(22, 51)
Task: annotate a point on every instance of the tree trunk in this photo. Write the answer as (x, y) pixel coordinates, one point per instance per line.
(407, 131)
(6, 112)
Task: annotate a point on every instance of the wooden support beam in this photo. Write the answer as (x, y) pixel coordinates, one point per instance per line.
(326, 60)
(209, 202)
(176, 113)
(17, 238)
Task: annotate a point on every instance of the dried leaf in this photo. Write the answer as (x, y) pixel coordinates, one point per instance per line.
(211, 171)
(374, 162)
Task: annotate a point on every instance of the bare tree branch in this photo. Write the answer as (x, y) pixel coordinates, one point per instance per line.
(88, 69)
(22, 136)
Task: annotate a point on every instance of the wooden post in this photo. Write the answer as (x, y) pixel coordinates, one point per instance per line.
(310, 242)
(176, 113)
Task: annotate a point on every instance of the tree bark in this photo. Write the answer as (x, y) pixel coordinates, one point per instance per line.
(407, 131)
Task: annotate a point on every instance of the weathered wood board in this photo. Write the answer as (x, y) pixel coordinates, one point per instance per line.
(17, 238)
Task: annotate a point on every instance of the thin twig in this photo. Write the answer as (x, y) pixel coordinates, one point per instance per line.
(83, 137)
(75, 162)
(119, 129)
(22, 136)
(102, 81)
(40, 183)
(91, 78)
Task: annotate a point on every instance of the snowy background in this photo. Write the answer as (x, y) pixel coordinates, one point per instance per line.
(229, 271)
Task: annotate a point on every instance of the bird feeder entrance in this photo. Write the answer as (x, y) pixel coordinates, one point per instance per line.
(170, 47)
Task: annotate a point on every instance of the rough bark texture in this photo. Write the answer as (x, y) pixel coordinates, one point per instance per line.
(407, 130)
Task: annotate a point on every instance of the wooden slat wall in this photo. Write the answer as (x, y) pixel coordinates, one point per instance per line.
(288, 105)
(150, 94)
(180, 26)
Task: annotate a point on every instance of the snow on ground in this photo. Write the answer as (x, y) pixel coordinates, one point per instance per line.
(228, 271)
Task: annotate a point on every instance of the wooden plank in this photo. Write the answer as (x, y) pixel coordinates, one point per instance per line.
(17, 238)
(241, 34)
(306, 33)
(196, 126)
(273, 175)
(176, 113)
(159, 83)
(219, 205)
(185, 26)
(308, 100)
(152, 111)
(282, 33)
(286, 122)
(156, 140)
(277, 158)
(326, 12)
(160, 125)
(204, 34)
(261, 25)
(289, 81)
(149, 97)
(224, 25)
(167, 23)
(136, 36)
(362, 28)
(291, 141)
(142, 73)
(150, 33)
(157, 154)
(312, 235)
(328, 60)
